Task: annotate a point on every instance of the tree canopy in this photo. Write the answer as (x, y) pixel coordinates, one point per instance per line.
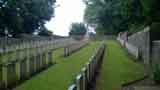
(78, 29)
(24, 16)
(113, 16)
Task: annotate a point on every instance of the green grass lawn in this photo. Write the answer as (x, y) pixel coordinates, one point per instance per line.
(117, 68)
(61, 75)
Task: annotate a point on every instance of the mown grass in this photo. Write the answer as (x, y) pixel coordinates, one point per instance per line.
(118, 68)
(62, 74)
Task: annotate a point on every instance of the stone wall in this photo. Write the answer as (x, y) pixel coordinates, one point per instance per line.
(144, 45)
(132, 49)
(137, 44)
(141, 41)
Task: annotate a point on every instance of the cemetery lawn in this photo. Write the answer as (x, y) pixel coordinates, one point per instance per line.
(61, 75)
(117, 68)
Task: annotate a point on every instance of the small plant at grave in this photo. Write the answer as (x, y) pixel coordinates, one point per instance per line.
(156, 74)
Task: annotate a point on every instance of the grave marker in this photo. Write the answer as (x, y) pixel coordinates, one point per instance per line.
(9, 74)
(1, 80)
(88, 72)
(44, 60)
(79, 82)
(72, 87)
(22, 69)
(84, 73)
(38, 62)
(50, 57)
(32, 66)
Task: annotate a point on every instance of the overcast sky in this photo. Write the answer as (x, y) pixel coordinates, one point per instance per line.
(69, 11)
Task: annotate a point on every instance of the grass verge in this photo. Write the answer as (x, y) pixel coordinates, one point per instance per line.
(118, 68)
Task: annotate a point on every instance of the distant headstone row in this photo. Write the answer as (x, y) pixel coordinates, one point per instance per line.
(88, 73)
(11, 44)
(69, 49)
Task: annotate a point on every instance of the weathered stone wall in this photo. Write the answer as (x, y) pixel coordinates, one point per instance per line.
(137, 44)
(141, 41)
(145, 43)
(132, 49)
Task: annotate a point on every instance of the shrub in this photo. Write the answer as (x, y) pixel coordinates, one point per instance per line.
(156, 74)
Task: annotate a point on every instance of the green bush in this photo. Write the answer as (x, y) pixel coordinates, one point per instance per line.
(156, 74)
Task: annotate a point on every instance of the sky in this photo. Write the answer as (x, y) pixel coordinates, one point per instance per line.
(67, 12)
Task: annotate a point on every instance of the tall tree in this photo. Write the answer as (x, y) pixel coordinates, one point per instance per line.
(113, 16)
(24, 16)
(78, 29)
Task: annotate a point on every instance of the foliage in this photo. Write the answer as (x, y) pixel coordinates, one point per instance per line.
(78, 29)
(113, 16)
(135, 28)
(45, 32)
(24, 16)
(156, 73)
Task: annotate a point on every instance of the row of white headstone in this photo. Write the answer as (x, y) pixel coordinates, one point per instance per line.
(68, 50)
(87, 75)
(22, 64)
(25, 44)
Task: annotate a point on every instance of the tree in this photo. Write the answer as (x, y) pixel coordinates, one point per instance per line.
(45, 32)
(24, 16)
(78, 29)
(114, 16)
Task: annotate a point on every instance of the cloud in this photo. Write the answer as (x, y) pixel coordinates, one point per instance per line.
(69, 11)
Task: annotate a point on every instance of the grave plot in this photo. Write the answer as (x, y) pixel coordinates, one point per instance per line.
(61, 75)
